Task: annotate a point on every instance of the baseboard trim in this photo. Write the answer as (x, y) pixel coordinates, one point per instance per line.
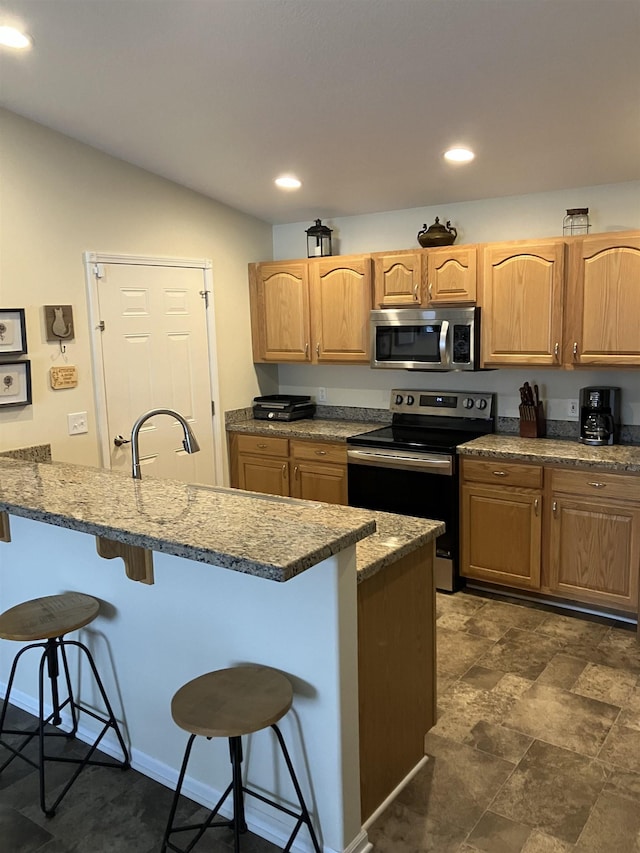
(386, 803)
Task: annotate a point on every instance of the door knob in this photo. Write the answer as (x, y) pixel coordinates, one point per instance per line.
(119, 440)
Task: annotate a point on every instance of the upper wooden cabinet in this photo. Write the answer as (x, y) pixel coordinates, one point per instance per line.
(314, 311)
(522, 303)
(280, 321)
(340, 306)
(603, 297)
(398, 279)
(425, 277)
(451, 274)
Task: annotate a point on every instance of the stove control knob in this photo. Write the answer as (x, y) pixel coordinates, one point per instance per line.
(271, 415)
(467, 403)
(481, 404)
(399, 399)
(410, 400)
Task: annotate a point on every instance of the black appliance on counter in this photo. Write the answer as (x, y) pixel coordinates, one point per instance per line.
(599, 415)
(283, 407)
(411, 467)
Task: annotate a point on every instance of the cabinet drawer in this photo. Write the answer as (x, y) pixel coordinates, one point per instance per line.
(498, 471)
(262, 445)
(596, 483)
(319, 451)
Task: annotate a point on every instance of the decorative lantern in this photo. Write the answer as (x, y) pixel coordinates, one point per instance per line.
(576, 221)
(318, 240)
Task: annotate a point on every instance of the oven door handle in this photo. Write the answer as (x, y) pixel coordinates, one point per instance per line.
(403, 460)
(442, 344)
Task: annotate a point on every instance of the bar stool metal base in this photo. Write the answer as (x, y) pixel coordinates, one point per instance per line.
(54, 651)
(237, 790)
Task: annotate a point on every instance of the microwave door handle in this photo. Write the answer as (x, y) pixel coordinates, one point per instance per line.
(444, 333)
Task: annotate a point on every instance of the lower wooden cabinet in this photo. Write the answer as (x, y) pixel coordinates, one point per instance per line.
(570, 533)
(594, 538)
(311, 470)
(501, 523)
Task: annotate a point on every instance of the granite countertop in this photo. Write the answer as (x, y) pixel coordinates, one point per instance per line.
(264, 535)
(309, 428)
(617, 457)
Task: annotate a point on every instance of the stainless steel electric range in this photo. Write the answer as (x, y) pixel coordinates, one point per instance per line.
(411, 467)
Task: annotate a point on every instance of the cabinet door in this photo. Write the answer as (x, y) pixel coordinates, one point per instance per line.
(501, 531)
(522, 292)
(595, 552)
(318, 481)
(604, 301)
(280, 319)
(266, 475)
(451, 274)
(398, 279)
(341, 301)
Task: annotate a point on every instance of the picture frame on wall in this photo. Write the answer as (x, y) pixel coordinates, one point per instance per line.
(15, 383)
(13, 331)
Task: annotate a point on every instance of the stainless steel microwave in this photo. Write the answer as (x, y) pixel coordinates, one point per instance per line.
(426, 339)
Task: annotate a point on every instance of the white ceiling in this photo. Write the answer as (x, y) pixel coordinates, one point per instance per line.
(359, 98)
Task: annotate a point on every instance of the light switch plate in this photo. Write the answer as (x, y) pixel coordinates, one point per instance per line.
(77, 422)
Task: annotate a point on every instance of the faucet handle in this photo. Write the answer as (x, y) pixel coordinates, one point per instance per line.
(119, 440)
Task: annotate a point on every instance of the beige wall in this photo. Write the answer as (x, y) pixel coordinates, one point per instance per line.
(60, 198)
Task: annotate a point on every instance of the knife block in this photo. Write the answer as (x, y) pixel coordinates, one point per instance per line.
(533, 423)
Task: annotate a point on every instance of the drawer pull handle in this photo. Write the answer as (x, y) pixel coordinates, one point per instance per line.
(575, 349)
(499, 473)
(597, 485)
(261, 446)
(318, 348)
(306, 350)
(430, 290)
(295, 472)
(320, 452)
(284, 472)
(555, 507)
(556, 349)
(536, 504)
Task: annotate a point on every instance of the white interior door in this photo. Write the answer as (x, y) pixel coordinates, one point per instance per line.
(154, 348)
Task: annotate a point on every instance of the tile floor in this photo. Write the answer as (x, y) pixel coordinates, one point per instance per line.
(536, 750)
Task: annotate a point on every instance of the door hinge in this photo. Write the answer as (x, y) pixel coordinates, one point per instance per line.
(213, 408)
(205, 296)
(100, 326)
(98, 270)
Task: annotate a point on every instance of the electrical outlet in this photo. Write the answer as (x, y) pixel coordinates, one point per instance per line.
(77, 423)
(572, 408)
(322, 395)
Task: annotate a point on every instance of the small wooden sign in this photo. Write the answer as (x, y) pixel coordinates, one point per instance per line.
(63, 377)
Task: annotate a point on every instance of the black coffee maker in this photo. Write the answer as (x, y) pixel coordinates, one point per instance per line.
(599, 415)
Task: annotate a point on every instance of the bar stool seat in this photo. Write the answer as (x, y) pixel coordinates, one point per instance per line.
(229, 703)
(43, 623)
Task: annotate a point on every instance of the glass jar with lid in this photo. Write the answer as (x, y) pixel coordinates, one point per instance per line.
(576, 222)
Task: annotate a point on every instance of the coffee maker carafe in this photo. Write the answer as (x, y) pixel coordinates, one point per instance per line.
(599, 415)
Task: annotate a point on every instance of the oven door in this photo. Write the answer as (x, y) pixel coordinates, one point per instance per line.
(409, 483)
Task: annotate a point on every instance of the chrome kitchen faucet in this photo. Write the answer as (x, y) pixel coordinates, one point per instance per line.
(189, 441)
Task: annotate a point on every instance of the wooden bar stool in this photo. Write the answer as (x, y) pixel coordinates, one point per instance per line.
(46, 621)
(230, 703)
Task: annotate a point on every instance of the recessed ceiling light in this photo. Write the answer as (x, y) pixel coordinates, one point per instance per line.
(10, 37)
(288, 182)
(459, 155)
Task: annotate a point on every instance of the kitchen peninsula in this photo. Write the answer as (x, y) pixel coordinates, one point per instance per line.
(237, 577)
